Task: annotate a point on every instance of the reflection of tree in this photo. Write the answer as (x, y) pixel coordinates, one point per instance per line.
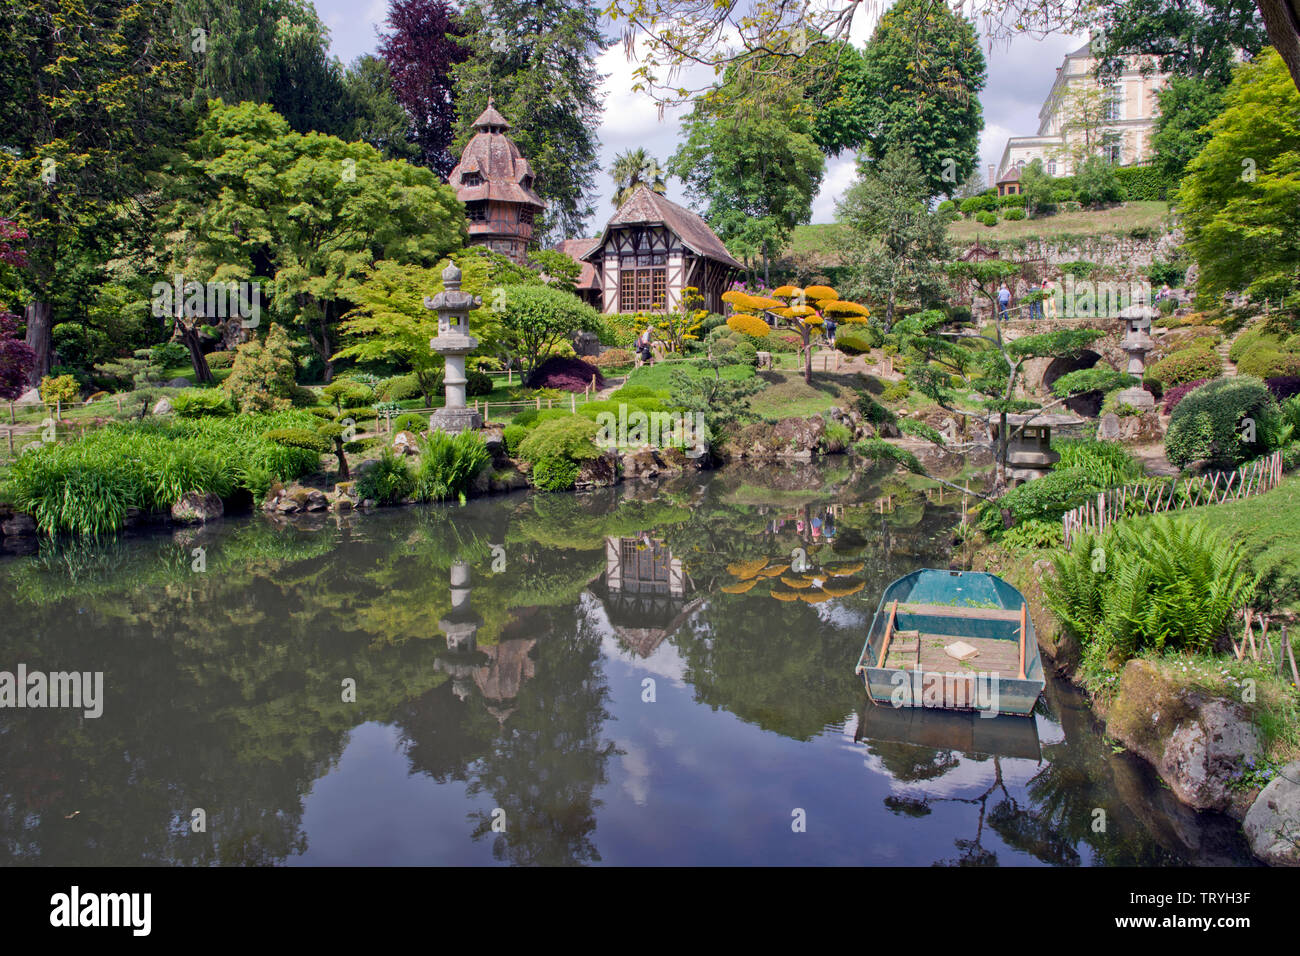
(910, 763)
(544, 768)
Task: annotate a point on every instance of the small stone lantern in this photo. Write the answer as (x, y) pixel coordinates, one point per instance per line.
(1137, 318)
(460, 625)
(453, 342)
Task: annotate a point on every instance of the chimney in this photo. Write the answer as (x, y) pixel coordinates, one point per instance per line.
(992, 175)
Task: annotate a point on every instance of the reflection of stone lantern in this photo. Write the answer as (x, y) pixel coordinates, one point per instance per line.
(453, 342)
(1137, 343)
(461, 626)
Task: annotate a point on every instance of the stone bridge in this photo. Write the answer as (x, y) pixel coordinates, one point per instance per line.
(1042, 372)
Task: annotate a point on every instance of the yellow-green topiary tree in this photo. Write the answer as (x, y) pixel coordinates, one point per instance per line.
(803, 309)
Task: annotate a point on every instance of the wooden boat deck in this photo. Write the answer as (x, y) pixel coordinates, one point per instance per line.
(910, 650)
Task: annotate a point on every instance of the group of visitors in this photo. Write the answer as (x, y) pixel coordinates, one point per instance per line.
(1040, 306)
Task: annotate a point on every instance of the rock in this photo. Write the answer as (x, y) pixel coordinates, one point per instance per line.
(1272, 823)
(197, 508)
(368, 503)
(1108, 430)
(481, 484)
(406, 443)
(179, 383)
(641, 463)
(598, 472)
(340, 503)
(19, 525)
(296, 499)
(30, 397)
(795, 439)
(1197, 743)
(494, 439)
(163, 407)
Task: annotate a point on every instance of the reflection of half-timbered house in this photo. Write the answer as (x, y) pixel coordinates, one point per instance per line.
(649, 252)
(495, 183)
(644, 590)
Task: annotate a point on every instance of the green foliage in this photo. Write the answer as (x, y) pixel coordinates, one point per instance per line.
(989, 219)
(305, 438)
(262, 377)
(902, 105)
(853, 344)
(555, 474)
(399, 388)
(387, 481)
(62, 388)
(571, 437)
(1099, 378)
(1163, 584)
(1044, 499)
(1241, 195)
(537, 318)
(478, 383)
(1096, 183)
(1105, 463)
(1172, 273)
(448, 464)
(896, 391)
(1207, 424)
(1014, 214)
(411, 423)
(512, 435)
(1185, 365)
(1144, 183)
(86, 486)
(1262, 361)
(201, 403)
(1032, 536)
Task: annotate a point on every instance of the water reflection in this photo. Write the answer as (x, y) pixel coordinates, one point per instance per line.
(499, 654)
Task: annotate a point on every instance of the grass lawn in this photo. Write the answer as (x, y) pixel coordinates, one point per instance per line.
(1118, 221)
(788, 395)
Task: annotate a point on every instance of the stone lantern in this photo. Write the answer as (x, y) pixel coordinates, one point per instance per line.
(460, 625)
(453, 342)
(1137, 343)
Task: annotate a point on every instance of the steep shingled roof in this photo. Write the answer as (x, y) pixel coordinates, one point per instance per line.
(576, 249)
(645, 206)
(494, 156)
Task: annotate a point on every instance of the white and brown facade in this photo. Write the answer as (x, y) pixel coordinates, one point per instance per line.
(650, 251)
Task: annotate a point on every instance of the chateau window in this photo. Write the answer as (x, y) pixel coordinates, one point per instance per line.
(642, 288)
(476, 211)
(1051, 167)
(471, 179)
(1115, 153)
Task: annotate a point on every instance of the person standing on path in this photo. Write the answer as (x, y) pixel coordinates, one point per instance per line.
(1004, 301)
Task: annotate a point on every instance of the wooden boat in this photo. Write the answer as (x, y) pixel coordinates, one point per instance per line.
(954, 640)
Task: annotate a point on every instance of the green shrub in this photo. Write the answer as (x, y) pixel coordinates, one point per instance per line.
(1183, 366)
(1265, 362)
(1251, 339)
(1206, 425)
(1044, 499)
(1014, 214)
(411, 423)
(299, 438)
(978, 204)
(556, 447)
(555, 474)
(262, 376)
(201, 402)
(987, 219)
(220, 360)
(512, 435)
(1167, 273)
(59, 388)
(852, 345)
(1095, 182)
(448, 464)
(1143, 183)
(1033, 536)
(1162, 584)
(387, 481)
(478, 383)
(896, 391)
(399, 388)
(1012, 201)
(838, 437)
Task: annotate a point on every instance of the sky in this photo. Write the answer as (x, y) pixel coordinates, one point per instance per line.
(1019, 77)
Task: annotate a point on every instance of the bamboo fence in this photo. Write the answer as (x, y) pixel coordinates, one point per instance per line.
(1095, 517)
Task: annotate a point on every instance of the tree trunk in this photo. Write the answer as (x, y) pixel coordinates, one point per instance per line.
(344, 474)
(326, 351)
(807, 356)
(1000, 478)
(767, 276)
(190, 336)
(1282, 21)
(37, 316)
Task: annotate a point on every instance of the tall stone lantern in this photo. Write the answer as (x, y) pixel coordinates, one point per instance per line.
(1137, 318)
(453, 342)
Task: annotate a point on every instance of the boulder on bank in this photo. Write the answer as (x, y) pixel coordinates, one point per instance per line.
(406, 443)
(1272, 824)
(195, 507)
(600, 472)
(797, 439)
(163, 406)
(295, 499)
(1197, 743)
(18, 525)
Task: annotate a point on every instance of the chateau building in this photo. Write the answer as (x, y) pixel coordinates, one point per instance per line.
(1130, 108)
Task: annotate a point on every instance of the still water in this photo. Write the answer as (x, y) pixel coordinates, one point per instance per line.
(636, 676)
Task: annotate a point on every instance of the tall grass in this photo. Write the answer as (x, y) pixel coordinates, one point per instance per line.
(1106, 463)
(87, 486)
(448, 464)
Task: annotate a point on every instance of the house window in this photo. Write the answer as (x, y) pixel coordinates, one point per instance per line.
(526, 214)
(476, 211)
(642, 289)
(471, 179)
(1114, 102)
(1051, 167)
(1115, 153)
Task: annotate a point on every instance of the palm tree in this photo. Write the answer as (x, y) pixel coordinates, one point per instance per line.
(636, 167)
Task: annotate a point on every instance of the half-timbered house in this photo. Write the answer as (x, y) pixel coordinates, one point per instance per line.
(649, 252)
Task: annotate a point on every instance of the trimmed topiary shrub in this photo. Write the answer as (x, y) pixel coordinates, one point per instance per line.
(298, 438)
(1265, 362)
(400, 388)
(478, 383)
(512, 435)
(556, 449)
(1186, 365)
(411, 423)
(1014, 214)
(568, 374)
(896, 391)
(987, 219)
(852, 345)
(1206, 425)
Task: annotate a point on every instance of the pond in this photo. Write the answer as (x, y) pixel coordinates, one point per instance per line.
(636, 676)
